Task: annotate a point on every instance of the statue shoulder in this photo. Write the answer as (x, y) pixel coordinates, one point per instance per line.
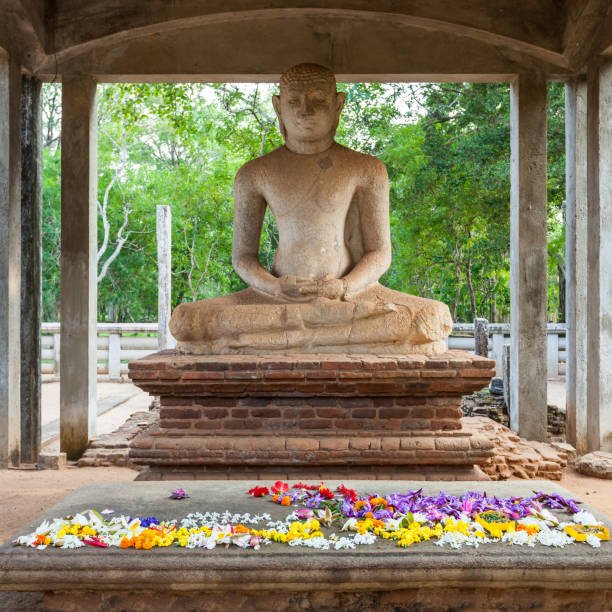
(251, 171)
(370, 167)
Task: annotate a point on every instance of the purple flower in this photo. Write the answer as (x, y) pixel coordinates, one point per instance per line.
(314, 501)
(148, 521)
(179, 494)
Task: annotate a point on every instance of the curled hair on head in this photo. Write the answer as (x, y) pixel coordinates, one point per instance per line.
(307, 72)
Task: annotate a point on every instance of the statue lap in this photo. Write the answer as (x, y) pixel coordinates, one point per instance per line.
(379, 320)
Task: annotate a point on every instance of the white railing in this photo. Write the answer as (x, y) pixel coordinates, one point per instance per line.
(119, 343)
(499, 336)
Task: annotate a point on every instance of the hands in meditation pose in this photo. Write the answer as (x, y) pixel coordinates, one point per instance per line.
(331, 206)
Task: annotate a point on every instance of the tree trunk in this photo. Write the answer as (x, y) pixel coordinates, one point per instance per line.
(470, 286)
(561, 312)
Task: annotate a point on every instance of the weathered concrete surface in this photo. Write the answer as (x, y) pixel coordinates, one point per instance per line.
(206, 50)
(528, 252)
(78, 265)
(10, 258)
(31, 268)
(576, 262)
(282, 569)
(605, 257)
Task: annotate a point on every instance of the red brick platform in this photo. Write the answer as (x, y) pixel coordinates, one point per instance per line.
(310, 416)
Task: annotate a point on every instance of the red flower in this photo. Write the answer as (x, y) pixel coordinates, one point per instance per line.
(302, 485)
(95, 541)
(280, 487)
(325, 492)
(350, 493)
(259, 491)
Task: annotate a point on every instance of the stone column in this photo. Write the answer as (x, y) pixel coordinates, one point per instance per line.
(576, 269)
(528, 252)
(599, 257)
(31, 269)
(78, 265)
(10, 260)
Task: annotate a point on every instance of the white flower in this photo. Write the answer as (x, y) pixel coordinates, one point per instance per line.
(453, 539)
(553, 537)
(344, 543)
(516, 537)
(350, 523)
(365, 538)
(593, 540)
(71, 541)
(585, 518)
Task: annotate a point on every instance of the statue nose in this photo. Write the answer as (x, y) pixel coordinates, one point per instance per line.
(306, 108)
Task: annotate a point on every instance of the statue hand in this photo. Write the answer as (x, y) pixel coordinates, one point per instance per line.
(290, 286)
(327, 287)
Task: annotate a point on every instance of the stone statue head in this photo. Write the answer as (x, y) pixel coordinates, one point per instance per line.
(308, 107)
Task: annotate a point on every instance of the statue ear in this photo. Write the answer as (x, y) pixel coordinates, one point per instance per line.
(340, 100)
(276, 105)
(277, 110)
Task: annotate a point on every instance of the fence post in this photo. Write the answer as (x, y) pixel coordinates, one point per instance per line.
(498, 352)
(56, 354)
(552, 354)
(114, 356)
(481, 337)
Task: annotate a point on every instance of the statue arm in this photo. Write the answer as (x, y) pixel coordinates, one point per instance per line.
(249, 210)
(372, 201)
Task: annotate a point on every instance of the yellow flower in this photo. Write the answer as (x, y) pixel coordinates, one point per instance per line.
(495, 523)
(581, 532)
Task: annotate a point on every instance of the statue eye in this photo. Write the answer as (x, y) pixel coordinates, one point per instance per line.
(293, 101)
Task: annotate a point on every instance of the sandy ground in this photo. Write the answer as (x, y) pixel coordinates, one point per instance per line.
(26, 494)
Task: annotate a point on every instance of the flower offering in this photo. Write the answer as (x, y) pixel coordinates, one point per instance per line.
(326, 519)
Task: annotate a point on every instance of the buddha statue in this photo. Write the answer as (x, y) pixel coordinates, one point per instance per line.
(331, 206)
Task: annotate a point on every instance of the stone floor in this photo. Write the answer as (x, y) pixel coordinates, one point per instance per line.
(381, 576)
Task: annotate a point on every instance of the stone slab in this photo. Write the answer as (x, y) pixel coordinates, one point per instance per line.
(278, 568)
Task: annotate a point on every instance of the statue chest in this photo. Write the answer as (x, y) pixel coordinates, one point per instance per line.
(311, 198)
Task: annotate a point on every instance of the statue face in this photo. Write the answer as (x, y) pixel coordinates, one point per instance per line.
(308, 111)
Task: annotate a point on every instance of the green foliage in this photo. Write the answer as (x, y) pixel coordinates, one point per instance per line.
(446, 147)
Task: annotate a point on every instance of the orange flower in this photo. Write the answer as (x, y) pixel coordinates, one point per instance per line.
(241, 529)
(41, 539)
(126, 542)
(530, 529)
(286, 501)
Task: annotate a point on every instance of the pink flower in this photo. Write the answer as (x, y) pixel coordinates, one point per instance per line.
(304, 513)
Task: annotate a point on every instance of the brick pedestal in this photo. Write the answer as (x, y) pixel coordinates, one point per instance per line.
(310, 416)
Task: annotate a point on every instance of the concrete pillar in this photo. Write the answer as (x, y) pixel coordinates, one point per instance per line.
(528, 250)
(10, 260)
(576, 267)
(78, 265)
(31, 268)
(599, 255)
(164, 277)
